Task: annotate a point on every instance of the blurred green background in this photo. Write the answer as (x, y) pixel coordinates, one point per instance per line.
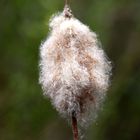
(24, 113)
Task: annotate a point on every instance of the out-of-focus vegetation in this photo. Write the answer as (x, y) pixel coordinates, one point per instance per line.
(24, 113)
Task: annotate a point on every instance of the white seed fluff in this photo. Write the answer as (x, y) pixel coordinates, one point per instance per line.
(74, 70)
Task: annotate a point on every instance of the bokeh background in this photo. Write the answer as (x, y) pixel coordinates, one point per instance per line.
(24, 113)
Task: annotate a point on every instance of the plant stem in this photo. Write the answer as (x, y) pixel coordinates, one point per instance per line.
(66, 2)
(74, 127)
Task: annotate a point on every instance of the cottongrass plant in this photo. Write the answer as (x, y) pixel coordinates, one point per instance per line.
(74, 70)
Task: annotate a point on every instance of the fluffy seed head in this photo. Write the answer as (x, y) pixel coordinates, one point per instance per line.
(74, 71)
